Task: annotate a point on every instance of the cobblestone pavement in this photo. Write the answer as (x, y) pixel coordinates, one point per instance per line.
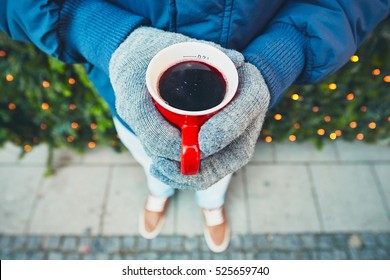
(259, 246)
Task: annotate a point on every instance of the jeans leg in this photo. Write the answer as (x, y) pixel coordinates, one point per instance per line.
(214, 196)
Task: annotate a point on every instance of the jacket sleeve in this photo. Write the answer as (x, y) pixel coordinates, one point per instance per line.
(75, 31)
(308, 40)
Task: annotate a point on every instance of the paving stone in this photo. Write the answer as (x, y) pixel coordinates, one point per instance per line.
(34, 242)
(282, 256)
(166, 256)
(189, 217)
(220, 256)
(262, 242)
(98, 244)
(361, 151)
(113, 244)
(384, 239)
(205, 256)
(236, 256)
(128, 243)
(308, 241)
(340, 192)
(160, 243)
(368, 239)
(117, 257)
(107, 156)
(235, 242)
(176, 243)
(367, 254)
(79, 188)
(339, 255)
(383, 254)
(382, 171)
(341, 240)
(6, 242)
(147, 256)
(236, 205)
(126, 198)
(325, 241)
(73, 256)
(9, 153)
(142, 244)
(181, 256)
(52, 243)
(248, 242)
(19, 256)
(304, 152)
(285, 242)
(102, 256)
(264, 152)
(280, 199)
(191, 243)
(69, 244)
(18, 188)
(37, 256)
(55, 256)
(19, 242)
(322, 255)
(263, 256)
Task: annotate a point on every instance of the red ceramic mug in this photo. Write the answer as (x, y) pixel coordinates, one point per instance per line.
(189, 122)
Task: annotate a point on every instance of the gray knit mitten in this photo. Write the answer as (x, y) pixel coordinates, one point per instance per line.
(127, 71)
(228, 139)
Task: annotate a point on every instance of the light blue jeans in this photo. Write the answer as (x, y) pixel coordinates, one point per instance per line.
(213, 197)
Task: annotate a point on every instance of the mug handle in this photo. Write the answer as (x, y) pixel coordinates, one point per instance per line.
(190, 152)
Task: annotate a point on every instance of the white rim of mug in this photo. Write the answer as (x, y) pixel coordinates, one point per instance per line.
(192, 49)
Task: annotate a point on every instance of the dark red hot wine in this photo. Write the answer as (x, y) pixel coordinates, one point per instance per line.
(192, 86)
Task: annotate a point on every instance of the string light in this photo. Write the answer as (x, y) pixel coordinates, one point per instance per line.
(72, 107)
(297, 125)
(327, 118)
(43, 126)
(388, 118)
(278, 117)
(70, 139)
(75, 125)
(363, 109)
(9, 77)
(11, 106)
(91, 145)
(295, 96)
(71, 81)
(45, 84)
(45, 106)
(2, 53)
(333, 136)
(332, 86)
(376, 72)
(292, 138)
(350, 96)
(268, 139)
(353, 124)
(360, 136)
(321, 131)
(93, 126)
(27, 148)
(372, 125)
(354, 58)
(386, 79)
(315, 109)
(338, 133)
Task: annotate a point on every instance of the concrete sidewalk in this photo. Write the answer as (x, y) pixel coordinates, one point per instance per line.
(286, 189)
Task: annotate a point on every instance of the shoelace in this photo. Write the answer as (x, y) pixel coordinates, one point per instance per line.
(155, 203)
(213, 217)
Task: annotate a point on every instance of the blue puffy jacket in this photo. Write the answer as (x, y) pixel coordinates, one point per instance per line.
(288, 41)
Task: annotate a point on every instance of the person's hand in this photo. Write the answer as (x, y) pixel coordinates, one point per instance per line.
(227, 140)
(127, 71)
